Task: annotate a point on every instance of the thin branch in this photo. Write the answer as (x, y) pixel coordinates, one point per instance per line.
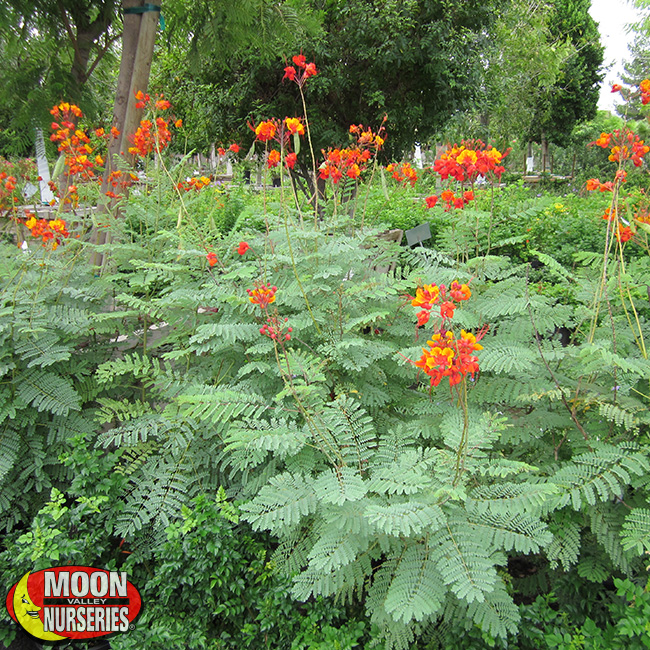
(102, 52)
(569, 408)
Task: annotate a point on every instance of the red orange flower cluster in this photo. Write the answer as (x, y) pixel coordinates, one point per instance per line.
(305, 70)
(243, 247)
(352, 161)
(446, 356)
(50, 230)
(160, 104)
(77, 148)
(273, 158)
(366, 137)
(430, 294)
(624, 233)
(403, 173)
(644, 87)
(74, 143)
(234, 148)
(344, 162)
(469, 160)
(265, 131)
(7, 189)
(449, 357)
(294, 125)
(146, 139)
(263, 295)
(274, 329)
(212, 258)
(151, 136)
(450, 199)
(625, 145)
(282, 132)
(120, 179)
(195, 183)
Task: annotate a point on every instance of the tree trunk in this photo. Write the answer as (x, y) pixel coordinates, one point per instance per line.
(130, 40)
(84, 27)
(544, 152)
(530, 160)
(138, 40)
(140, 74)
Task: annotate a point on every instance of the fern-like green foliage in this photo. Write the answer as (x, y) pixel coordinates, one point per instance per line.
(375, 485)
(636, 530)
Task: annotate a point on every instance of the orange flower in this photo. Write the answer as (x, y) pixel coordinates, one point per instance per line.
(52, 230)
(616, 88)
(403, 172)
(162, 104)
(142, 98)
(644, 87)
(459, 292)
(423, 317)
(353, 171)
(310, 70)
(593, 184)
(265, 131)
(603, 141)
(234, 147)
(447, 309)
(273, 159)
(263, 295)
(291, 160)
(426, 296)
(294, 125)
(145, 140)
(467, 156)
(212, 258)
(448, 357)
(624, 233)
(431, 201)
(178, 123)
(306, 70)
(243, 247)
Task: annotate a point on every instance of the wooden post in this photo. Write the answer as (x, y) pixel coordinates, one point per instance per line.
(139, 78)
(130, 38)
(138, 40)
(573, 165)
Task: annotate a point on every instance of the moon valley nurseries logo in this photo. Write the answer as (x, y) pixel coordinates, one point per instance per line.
(73, 602)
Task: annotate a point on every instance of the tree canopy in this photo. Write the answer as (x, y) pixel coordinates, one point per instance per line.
(416, 62)
(51, 49)
(574, 95)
